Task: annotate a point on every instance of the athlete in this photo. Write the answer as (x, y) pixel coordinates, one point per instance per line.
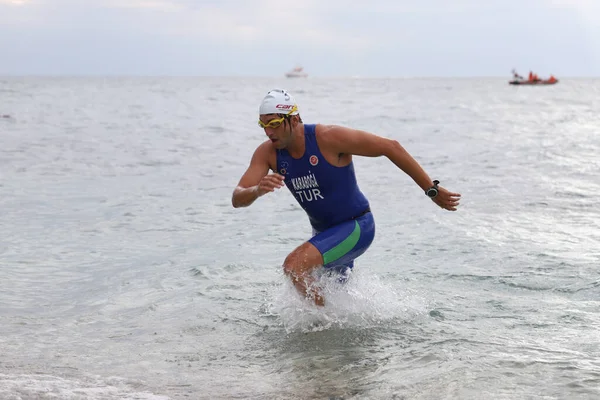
(315, 163)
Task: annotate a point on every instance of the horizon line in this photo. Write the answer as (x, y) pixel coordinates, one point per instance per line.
(94, 75)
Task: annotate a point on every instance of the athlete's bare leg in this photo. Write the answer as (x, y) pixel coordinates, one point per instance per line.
(299, 265)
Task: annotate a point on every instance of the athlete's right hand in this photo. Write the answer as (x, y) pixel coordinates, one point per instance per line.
(269, 183)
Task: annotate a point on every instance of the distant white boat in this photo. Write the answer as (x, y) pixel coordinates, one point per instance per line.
(297, 72)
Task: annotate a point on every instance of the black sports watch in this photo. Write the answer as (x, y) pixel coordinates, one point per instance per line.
(433, 191)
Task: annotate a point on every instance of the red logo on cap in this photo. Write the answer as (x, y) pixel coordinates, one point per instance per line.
(283, 106)
(314, 160)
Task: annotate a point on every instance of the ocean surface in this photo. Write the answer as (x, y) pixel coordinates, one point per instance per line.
(125, 273)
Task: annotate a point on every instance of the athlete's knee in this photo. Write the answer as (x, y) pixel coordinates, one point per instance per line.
(290, 265)
(296, 264)
(302, 261)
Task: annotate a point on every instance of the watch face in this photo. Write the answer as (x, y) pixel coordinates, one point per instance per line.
(432, 192)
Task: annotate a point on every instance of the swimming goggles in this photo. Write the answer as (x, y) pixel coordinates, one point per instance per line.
(274, 123)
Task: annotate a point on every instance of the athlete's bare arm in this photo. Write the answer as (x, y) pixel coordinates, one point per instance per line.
(255, 182)
(356, 142)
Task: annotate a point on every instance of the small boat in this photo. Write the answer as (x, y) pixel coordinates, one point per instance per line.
(533, 83)
(297, 72)
(533, 79)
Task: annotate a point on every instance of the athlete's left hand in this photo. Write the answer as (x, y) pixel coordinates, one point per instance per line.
(446, 199)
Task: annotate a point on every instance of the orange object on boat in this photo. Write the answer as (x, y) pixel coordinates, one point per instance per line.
(533, 80)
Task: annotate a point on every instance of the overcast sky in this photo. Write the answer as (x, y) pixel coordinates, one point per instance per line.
(328, 37)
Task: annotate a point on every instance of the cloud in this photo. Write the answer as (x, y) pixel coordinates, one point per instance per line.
(266, 23)
(237, 23)
(401, 37)
(14, 2)
(159, 5)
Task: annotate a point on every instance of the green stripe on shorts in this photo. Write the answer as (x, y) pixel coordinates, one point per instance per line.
(341, 249)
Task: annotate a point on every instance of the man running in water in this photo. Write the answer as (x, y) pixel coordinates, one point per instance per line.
(315, 163)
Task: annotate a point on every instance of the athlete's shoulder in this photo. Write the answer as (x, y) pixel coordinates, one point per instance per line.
(326, 129)
(330, 133)
(265, 147)
(265, 152)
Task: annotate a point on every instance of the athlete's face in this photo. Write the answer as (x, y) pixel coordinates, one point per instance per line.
(278, 129)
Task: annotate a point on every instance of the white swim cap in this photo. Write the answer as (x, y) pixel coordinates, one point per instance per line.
(278, 101)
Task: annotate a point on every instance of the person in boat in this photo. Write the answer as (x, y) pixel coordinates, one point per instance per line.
(533, 77)
(315, 162)
(516, 76)
(552, 79)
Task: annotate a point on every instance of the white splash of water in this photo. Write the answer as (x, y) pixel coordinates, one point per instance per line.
(44, 386)
(363, 301)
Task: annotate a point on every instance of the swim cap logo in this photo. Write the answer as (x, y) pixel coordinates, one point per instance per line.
(313, 160)
(284, 106)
